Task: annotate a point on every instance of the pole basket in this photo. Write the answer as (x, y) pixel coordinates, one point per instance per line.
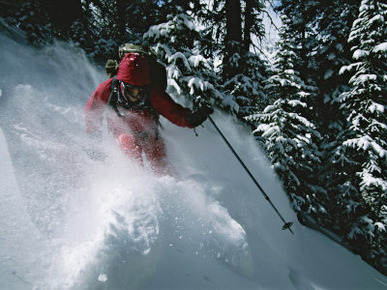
(287, 226)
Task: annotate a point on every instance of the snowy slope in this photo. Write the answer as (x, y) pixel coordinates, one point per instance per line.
(69, 222)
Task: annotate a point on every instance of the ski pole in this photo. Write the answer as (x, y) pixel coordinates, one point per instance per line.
(287, 225)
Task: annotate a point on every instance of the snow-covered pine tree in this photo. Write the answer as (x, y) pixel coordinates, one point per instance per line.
(32, 18)
(43, 20)
(84, 31)
(190, 74)
(102, 29)
(363, 153)
(248, 87)
(243, 71)
(289, 137)
(330, 51)
(229, 28)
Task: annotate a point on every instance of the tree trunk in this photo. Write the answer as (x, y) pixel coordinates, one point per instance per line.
(233, 38)
(233, 21)
(249, 22)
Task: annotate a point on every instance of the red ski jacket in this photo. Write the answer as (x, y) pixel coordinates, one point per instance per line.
(161, 102)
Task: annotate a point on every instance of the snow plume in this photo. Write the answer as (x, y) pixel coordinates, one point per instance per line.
(72, 222)
(120, 240)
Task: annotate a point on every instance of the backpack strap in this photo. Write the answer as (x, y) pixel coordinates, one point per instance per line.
(113, 102)
(113, 99)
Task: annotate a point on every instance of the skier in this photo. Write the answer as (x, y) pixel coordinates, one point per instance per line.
(133, 106)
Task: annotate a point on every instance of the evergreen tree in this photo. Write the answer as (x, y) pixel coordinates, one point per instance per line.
(33, 19)
(211, 18)
(243, 71)
(288, 136)
(300, 14)
(248, 87)
(330, 52)
(123, 21)
(104, 28)
(190, 74)
(364, 149)
(233, 63)
(45, 20)
(230, 27)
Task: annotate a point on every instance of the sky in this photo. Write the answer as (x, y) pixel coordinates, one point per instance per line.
(71, 222)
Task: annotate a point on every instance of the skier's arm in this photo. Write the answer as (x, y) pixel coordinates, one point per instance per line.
(166, 107)
(95, 108)
(176, 113)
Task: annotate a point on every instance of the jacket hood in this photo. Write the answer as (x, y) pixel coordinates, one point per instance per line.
(134, 70)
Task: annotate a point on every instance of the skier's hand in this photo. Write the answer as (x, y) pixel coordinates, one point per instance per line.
(195, 118)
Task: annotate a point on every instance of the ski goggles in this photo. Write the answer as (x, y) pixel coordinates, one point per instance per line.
(134, 93)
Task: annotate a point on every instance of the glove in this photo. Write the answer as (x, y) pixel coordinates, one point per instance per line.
(195, 118)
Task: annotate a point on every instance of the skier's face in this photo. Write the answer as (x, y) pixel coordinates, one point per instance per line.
(134, 94)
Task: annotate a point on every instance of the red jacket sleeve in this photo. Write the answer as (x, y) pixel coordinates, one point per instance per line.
(167, 107)
(96, 106)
